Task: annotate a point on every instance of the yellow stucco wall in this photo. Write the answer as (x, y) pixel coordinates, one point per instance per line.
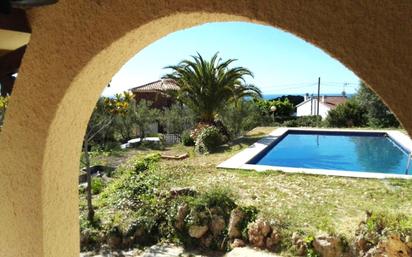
(78, 45)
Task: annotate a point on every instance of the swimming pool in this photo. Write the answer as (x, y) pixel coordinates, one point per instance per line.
(355, 153)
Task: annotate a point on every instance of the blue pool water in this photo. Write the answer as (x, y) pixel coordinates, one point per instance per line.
(366, 152)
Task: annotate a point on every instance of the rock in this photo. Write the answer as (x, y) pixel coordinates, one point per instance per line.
(273, 240)
(301, 248)
(376, 252)
(408, 241)
(249, 252)
(215, 210)
(178, 191)
(206, 241)
(236, 217)
(362, 245)
(182, 212)
(295, 237)
(327, 246)
(88, 238)
(128, 242)
(258, 231)
(114, 241)
(394, 246)
(197, 231)
(217, 225)
(114, 238)
(299, 244)
(237, 243)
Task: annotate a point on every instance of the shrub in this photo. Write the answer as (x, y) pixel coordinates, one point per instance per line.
(217, 197)
(250, 215)
(153, 145)
(143, 164)
(241, 116)
(283, 107)
(304, 121)
(208, 140)
(97, 185)
(348, 114)
(383, 223)
(3, 107)
(177, 119)
(204, 208)
(187, 140)
(197, 130)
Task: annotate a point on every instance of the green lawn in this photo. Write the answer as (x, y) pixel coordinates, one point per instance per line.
(305, 203)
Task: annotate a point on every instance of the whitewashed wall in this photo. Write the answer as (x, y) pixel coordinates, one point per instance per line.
(310, 108)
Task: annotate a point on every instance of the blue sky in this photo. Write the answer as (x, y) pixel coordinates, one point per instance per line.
(281, 62)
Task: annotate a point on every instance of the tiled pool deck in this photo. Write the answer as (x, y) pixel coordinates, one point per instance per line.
(240, 160)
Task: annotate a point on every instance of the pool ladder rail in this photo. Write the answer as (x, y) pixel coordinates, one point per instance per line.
(408, 164)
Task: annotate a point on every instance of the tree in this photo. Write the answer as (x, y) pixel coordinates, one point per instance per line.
(242, 116)
(123, 124)
(284, 108)
(177, 119)
(142, 115)
(102, 117)
(377, 113)
(207, 86)
(348, 114)
(293, 99)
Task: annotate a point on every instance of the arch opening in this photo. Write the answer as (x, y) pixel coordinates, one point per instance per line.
(149, 83)
(65, 111)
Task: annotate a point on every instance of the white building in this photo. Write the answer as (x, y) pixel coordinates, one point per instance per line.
(310, 105)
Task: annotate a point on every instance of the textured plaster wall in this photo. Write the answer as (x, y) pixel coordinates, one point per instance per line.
(78, 45)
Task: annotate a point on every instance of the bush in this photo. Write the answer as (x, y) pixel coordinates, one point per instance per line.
(215, 198)
(284, 108)
(3, 107)
(177, 119)
(187, 140)
(241, 117)
(97, 185)
(304, 121)
(250, 215)
(143, 164)
(208, 140)
(197, 130)
(386, 223)
(348, 114)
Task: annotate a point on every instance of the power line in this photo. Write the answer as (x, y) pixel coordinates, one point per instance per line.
(343, 82)
(310, 86)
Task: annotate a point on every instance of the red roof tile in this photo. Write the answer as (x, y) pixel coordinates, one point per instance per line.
(159, 85)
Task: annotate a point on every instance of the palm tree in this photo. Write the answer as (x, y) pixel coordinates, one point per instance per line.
(207, 86)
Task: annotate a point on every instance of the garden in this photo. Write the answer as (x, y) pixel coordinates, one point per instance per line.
(173, 193)
(149, 200)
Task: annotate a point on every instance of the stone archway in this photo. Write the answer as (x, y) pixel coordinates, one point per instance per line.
(78, 45)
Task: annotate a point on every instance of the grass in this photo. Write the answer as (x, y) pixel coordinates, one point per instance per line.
(307, 203)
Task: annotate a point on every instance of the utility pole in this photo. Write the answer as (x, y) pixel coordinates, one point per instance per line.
(317, 111)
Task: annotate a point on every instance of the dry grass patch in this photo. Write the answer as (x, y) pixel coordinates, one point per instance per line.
(308, 203)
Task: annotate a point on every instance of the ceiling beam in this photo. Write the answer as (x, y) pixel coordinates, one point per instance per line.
(9, 64)
(16, 20)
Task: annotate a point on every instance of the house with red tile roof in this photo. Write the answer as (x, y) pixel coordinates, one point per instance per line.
(310, 105)
(156, 92)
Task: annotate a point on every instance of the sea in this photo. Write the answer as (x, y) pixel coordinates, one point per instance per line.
(273, 96)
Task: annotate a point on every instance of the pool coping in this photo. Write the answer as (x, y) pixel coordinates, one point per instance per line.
(241, 159)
